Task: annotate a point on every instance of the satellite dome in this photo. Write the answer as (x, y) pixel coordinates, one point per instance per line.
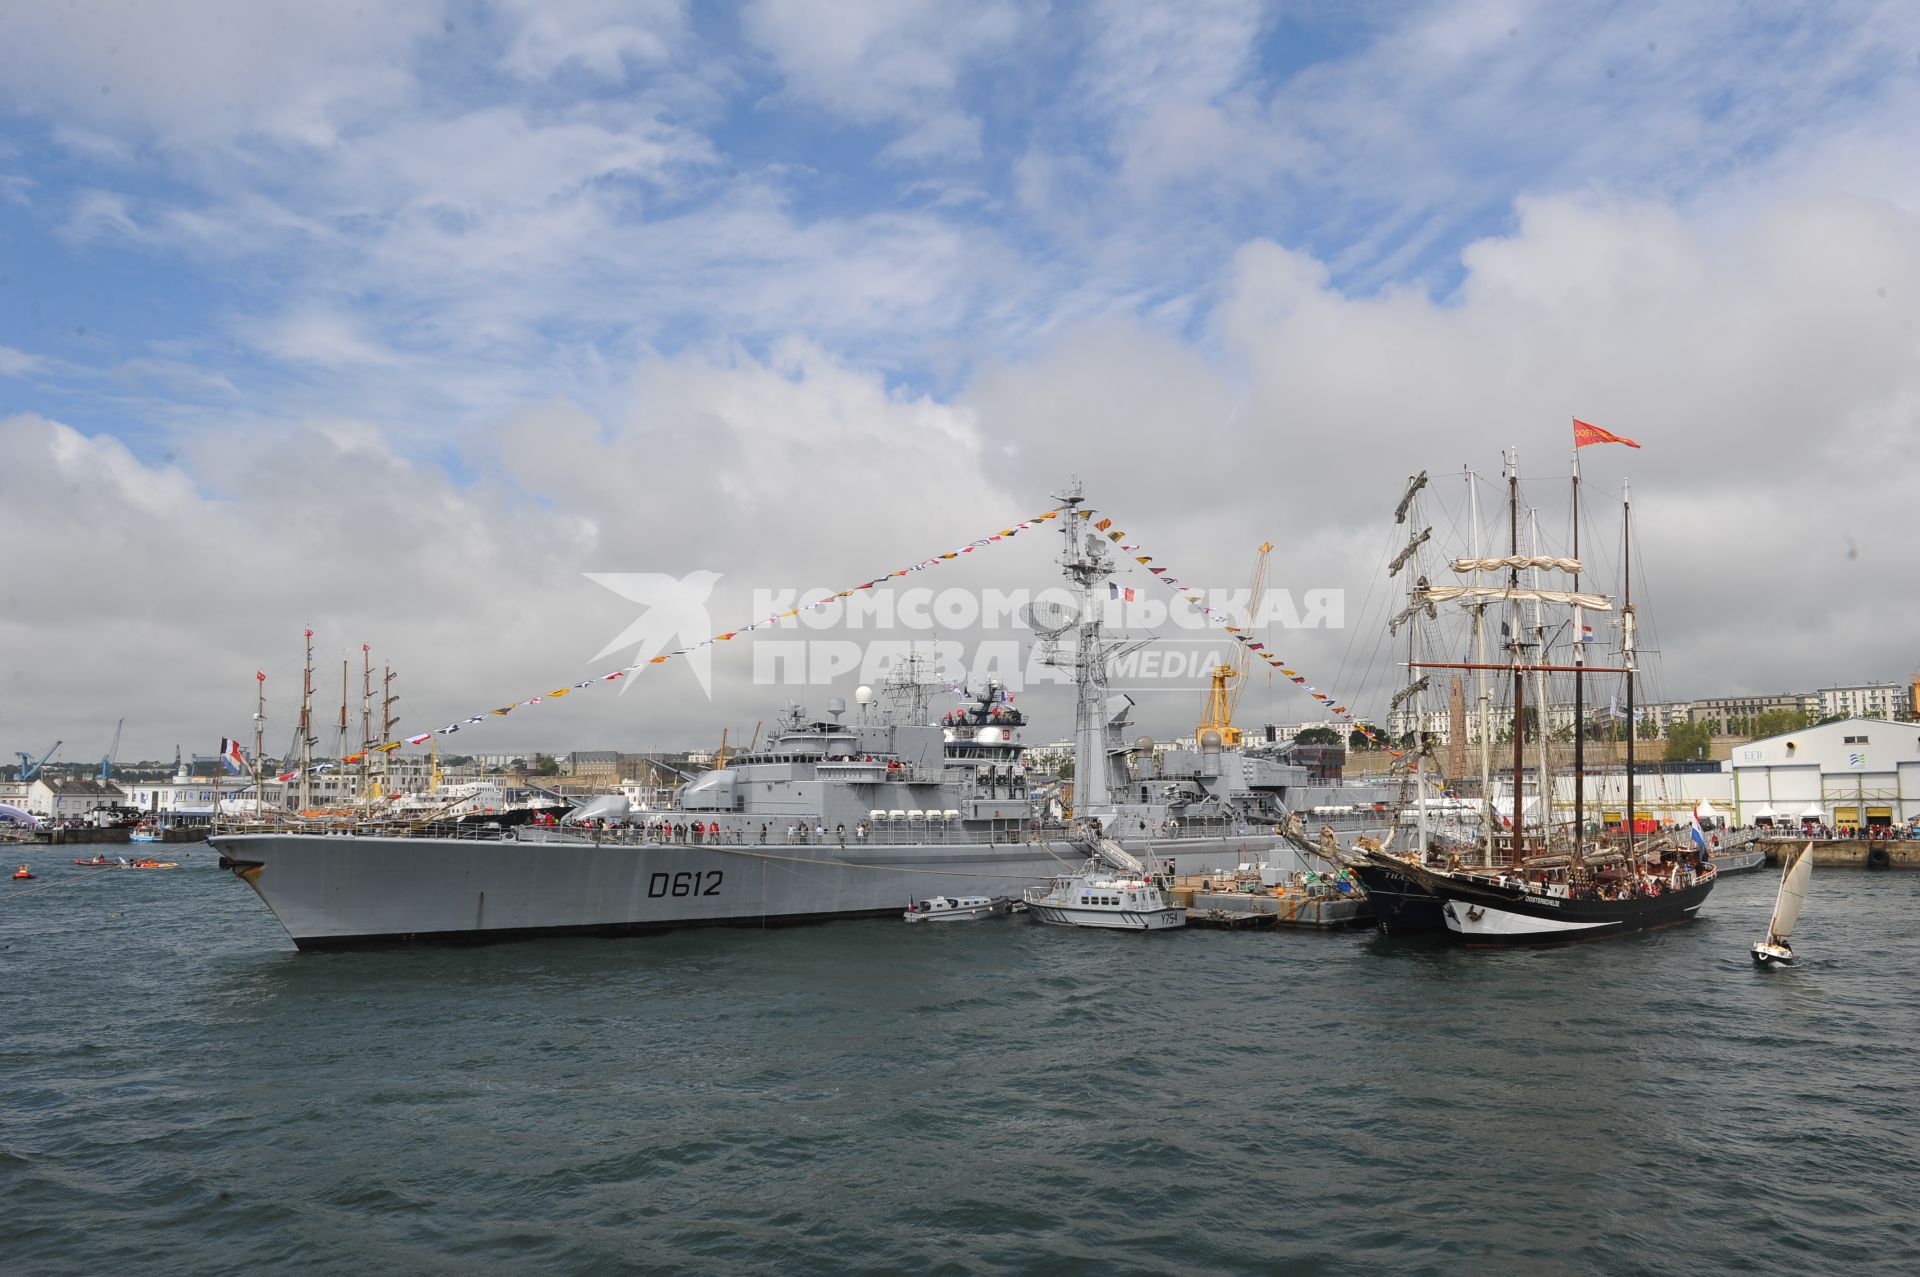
(863, 695)
(1144, 744)
(1210, 739)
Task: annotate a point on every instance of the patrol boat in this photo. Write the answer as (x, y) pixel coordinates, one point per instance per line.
(1115, 891)
(889, 804)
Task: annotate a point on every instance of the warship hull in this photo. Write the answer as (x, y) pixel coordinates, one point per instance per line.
(338, 892)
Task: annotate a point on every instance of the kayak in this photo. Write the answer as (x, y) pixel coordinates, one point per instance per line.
(101, 862)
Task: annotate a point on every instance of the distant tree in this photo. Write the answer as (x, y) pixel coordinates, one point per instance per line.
(546, 765)
(1318, 736)
(1778, 722)
(1688, 741)
(1648, 729)
(1830, 718)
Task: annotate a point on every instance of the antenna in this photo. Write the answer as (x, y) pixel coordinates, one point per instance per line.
(1049, 618)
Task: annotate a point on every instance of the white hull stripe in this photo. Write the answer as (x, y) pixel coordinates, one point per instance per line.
(1499, 922)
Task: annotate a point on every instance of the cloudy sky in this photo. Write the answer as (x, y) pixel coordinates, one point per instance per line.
(396, 325)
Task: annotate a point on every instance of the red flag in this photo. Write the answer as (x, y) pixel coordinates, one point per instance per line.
(1585, 433)
(260, 675)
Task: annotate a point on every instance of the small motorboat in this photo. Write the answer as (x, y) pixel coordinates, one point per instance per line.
(22, 874)
(147, 833)
(154, 864)
(962, 908)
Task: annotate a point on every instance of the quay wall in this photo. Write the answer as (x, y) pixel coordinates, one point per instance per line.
(1851, 853)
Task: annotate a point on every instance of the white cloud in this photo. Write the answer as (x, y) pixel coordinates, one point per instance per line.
(199, 72)
(18, 363)
(602, 37)
(880, 61)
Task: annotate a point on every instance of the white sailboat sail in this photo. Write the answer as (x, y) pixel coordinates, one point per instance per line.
(1793, 893)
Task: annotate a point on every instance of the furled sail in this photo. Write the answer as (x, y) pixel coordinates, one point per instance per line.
(1400, 559)
(1412, 689)
(1518, 561)
(1407, 612)
(1414, 485)
(1448, 593)
(1793, 893)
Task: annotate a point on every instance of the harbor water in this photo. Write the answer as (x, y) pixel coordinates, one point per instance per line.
(180, 1091)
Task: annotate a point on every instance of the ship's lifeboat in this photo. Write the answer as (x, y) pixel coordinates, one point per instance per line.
(22, 874)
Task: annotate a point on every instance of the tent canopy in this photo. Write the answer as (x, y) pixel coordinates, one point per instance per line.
(1705, 810)
(17, 816)
(1813, 812)
(1766, 812)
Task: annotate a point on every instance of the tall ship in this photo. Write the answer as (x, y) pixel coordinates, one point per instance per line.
(835, 816)
(1532, 881)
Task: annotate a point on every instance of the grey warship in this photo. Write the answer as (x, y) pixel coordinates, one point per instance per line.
(840, 816)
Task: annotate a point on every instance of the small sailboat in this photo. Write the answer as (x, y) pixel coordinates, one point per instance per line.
(1786, 908)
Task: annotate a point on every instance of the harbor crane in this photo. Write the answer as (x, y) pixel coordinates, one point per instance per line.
(1229, 680)
(30, 766)
(113, 752)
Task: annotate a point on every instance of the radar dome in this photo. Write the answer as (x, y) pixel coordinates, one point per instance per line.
(1144, 744)
(863, 695)
(1210, 739)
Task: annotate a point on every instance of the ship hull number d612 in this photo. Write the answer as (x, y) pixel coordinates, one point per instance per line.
(694, 883)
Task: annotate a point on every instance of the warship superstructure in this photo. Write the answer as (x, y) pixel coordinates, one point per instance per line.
(836, 816)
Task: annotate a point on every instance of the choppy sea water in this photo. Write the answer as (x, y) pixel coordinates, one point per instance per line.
(180, 1091)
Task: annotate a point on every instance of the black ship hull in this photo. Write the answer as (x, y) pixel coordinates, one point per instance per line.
(1402, 904)
(1480, 913)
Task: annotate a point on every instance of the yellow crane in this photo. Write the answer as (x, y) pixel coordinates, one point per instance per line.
(1229, 680)
(720, 755)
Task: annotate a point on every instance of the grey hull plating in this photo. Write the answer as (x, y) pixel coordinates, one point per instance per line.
(340, 892)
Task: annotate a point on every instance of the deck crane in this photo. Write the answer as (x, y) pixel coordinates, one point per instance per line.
(113, 752)
(30, 766)
(1229, 680)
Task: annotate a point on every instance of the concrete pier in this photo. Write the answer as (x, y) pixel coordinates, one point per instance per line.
(1850, 853)
(1286, 908)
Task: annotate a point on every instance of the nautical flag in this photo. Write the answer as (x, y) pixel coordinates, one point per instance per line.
(287, 776)
(1586, 634)
(1103, 525)
(260, 675)
(1124, 593)
(450, 729)
(232, 757)
(421, 739)
(1585, 433)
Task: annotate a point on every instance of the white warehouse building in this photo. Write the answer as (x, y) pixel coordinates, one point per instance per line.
(1854, 773)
